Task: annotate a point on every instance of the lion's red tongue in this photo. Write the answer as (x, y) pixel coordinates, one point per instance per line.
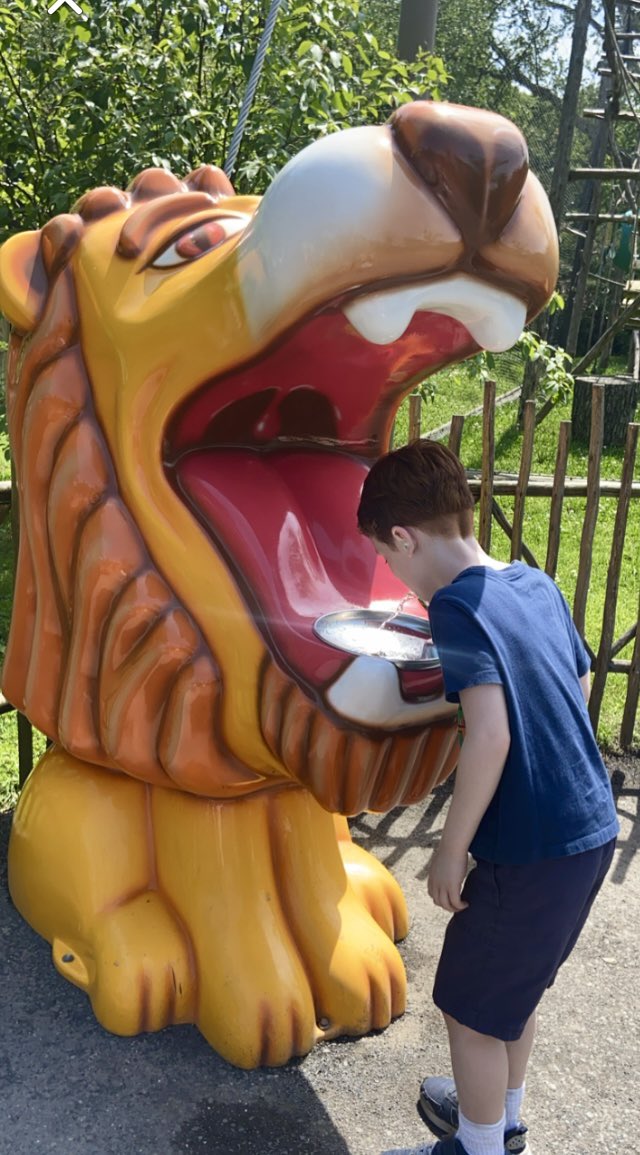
(287, 522)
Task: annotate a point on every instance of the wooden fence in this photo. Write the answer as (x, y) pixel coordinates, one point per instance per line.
(488, 485)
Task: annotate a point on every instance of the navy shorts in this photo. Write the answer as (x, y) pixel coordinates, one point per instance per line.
(502, 952)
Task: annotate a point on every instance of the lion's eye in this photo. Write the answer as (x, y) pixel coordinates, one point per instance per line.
(198, 241)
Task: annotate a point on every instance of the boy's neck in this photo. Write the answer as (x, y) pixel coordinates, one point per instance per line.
(450, 556)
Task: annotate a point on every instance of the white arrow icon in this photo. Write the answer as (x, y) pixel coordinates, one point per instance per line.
(72, 4)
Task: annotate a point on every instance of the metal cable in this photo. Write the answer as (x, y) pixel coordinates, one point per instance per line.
(263, 46)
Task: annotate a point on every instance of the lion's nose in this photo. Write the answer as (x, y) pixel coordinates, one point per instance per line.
(475, 162)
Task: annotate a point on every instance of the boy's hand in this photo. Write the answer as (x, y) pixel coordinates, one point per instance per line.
(447, 873)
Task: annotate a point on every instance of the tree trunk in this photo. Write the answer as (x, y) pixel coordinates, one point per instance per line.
(612, 306)
(610, 88)
(560, 176)
(533, 372)
(417, 27)
(621, 398)
(533, 369)
(633, 364)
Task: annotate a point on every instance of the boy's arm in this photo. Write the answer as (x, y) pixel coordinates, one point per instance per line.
(482, 758)
(585, 682)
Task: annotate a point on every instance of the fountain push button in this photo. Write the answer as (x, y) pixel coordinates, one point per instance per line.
(418, 685)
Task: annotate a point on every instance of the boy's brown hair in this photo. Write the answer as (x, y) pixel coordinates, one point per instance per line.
(419, 485)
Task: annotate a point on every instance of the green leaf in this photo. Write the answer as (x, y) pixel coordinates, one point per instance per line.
(339, 103)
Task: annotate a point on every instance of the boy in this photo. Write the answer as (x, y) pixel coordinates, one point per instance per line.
(532, 801)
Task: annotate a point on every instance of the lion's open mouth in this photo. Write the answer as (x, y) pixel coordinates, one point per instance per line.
(271, 458)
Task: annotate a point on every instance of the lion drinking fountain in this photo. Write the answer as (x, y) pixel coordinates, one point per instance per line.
(197, 385)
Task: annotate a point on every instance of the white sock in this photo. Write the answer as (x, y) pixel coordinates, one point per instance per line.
(513, 1105)
(481, 1138)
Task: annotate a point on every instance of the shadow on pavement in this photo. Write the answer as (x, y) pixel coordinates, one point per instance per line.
(625, 782)
(392, 836)
(70, 1088)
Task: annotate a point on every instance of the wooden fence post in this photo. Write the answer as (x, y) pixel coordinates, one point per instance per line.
(415, 417)
(529, 428)
(503, 522)
(591, 511)
(633, 693)
(488, 465)
(455, 433)
(613, 577)
(557, 498)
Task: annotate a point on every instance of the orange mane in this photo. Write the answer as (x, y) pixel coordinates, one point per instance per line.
(94, 624)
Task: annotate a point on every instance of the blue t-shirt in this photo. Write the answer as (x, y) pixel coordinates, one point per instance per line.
(512, 626)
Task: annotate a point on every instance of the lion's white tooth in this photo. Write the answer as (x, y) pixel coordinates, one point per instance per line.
(493, 318)
(495, 321)
(381, 317)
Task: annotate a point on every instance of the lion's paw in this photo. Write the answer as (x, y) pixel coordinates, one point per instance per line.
(267, 1029)
(135, 965)
(376, 888)
(358, 976)
(255, 1004)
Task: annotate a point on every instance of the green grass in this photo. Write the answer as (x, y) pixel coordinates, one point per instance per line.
(456, 392)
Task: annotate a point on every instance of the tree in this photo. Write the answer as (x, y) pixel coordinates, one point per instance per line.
(161, 84)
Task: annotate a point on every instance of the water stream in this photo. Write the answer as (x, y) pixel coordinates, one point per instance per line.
(396, 613)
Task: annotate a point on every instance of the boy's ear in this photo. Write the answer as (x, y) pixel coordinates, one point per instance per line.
(402, 538)
(23, 280)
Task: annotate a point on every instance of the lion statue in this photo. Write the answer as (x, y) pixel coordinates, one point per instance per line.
(198, 382)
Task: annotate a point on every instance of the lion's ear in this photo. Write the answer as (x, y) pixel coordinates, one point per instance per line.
(23, 280)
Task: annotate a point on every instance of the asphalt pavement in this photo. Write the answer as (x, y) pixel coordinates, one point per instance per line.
(69, 1088)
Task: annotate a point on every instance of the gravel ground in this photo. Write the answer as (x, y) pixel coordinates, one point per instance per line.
(68, 1088)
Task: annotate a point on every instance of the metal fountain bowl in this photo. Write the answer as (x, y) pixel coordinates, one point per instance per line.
(403, 639)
